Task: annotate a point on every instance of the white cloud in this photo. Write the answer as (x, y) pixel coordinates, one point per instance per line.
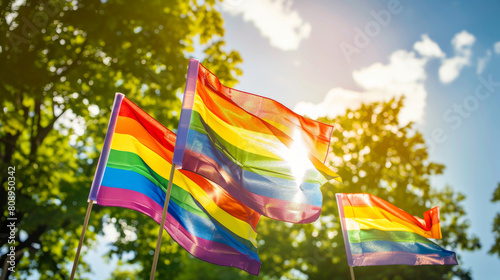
(275, 20)
(463, 40)
(497, 47)
(451, 67)
(336, 101)
(403, 75)
(482, 62)
(428, 48)
(403, 68)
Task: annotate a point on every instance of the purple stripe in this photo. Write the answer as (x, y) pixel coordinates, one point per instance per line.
(392, 258)
(206, 250)
(185, 119)
(271, 207)
(340, 205)
(103, 158)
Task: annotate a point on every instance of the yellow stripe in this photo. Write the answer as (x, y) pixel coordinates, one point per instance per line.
(385, 225)
(127, 143)
(253, 142)
(359, 217)
(320, 166)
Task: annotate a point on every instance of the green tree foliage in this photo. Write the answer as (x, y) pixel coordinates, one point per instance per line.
(495, 249)
(373, 153)
(61, 63)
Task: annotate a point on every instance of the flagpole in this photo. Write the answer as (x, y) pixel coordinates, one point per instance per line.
(99, 173)
(340, 205)
(162, 224)
(82, 236)
(186, 112)
(180, 144)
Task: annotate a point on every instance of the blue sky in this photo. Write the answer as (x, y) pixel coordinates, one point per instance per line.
(310, 56)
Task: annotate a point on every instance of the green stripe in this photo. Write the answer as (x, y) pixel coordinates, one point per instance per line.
(133, 162)
(366, 235)
(252, 162)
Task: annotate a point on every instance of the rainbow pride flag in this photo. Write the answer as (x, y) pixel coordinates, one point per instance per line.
(261, 152)
(378, 233)
(202, 217)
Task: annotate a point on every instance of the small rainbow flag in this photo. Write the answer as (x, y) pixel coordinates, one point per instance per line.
(261, 152)
(202, 217)
(378, 233)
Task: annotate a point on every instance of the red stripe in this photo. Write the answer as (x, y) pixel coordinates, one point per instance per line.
(159, 132)
(364, 199)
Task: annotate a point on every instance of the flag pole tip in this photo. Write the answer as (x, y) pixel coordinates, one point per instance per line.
(120, 94)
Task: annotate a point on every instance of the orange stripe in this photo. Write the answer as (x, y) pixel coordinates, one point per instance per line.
(126, 125)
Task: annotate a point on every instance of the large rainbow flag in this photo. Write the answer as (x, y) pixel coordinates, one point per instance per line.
(202, 217)
(261, 152)
(378, 233)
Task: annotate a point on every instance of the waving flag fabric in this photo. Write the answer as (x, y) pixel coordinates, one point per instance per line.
(378, 233)
(262, 153)
(202, 217)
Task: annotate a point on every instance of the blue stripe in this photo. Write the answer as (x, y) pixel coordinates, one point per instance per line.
(390, 246)
(196, 225)
(206, 229)
(124, 179)
(262, 185)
